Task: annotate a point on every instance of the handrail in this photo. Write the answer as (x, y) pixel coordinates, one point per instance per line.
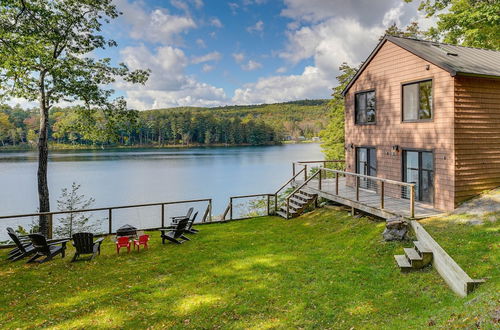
(319, 161)
(401, 183)
(286, 184)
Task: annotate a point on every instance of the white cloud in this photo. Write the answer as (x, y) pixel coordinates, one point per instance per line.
(207, 68)
(257, 27)
(157, 25)
(393, 16)
(213, 56)
(310, 84)
(168, 85)
(201, 43)
(239, 57)
(251, 65)
(216, 22)
(282, 69)
(234, 7)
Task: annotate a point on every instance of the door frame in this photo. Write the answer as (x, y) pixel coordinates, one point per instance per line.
(403, 171)
(368, 159)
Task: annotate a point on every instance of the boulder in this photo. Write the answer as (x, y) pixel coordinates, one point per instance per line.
(396, 229)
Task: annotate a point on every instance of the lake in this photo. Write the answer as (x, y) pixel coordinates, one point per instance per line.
(137, 176)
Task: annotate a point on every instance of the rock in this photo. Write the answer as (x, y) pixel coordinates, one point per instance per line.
(474, 222)
(396, 229)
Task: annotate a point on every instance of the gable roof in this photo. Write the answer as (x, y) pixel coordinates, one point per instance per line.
(454, 59)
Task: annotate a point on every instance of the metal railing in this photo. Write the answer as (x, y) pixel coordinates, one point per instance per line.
(365, 189)
(109, 210)
(308, 164)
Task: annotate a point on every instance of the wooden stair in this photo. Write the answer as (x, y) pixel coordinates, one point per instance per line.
(298, 202)
(414, 258)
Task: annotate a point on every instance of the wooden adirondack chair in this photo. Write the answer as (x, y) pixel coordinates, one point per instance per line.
(180, 217)
(84, 244)
(23, 246)
(175, 233)
(189, 228)
(47, 249)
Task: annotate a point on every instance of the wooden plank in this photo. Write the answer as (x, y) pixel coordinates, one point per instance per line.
(456, 278)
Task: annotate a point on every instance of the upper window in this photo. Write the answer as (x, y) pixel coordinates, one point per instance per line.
(417, 101)
(364, 104)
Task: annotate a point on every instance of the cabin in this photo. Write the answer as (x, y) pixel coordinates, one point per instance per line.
(426, 113)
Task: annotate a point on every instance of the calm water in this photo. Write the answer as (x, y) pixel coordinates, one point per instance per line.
(149, 175)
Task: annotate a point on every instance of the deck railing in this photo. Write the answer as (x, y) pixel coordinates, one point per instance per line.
(309, 164)
(369, 190)
(260, 202)
(109, 211)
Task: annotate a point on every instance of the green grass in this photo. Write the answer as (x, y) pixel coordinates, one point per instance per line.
(322, 270)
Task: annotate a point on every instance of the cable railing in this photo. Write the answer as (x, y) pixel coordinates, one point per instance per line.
(154, 218)
(380, 193)
(309, 164)
(256, 205)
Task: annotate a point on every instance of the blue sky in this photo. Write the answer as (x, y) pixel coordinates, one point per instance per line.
(212, 52)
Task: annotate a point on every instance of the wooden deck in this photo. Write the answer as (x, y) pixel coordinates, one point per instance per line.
(369, 201)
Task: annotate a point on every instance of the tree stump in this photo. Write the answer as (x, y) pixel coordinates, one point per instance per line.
(396, 229)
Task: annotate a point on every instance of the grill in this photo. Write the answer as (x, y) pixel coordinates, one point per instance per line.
(126, 230)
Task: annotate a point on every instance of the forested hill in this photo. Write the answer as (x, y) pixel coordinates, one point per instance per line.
(252, 124)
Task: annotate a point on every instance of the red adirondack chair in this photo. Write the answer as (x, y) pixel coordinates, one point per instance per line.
(122, 242)
(143, 240)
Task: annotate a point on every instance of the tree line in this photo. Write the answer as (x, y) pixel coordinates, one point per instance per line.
(230, 125)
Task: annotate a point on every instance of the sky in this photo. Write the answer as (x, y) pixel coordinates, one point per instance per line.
(217, 52)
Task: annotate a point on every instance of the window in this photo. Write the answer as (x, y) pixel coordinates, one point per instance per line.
(364, 104)
(417, 101)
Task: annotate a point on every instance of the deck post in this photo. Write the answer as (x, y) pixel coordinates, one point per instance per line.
(110, 221)
(357, 188)
(319, 182)
(305, 172)
(287, 207)
(293, 169)
(162, 215)
(50, 226)
(336, 183)
(382, 195)
(210, 210)
(412, 201)
(231, 208)
(276, 203)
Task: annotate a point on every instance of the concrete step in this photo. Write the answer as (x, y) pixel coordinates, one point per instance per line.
(414, 258)
(403, 263)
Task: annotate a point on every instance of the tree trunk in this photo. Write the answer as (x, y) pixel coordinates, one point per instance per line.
(43, 154)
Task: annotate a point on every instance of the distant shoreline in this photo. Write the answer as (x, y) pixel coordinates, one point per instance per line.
(65, 147)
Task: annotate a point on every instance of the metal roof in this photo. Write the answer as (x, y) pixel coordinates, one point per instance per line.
(454, 59)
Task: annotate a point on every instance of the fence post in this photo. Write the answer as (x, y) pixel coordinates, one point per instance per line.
(382, 194)
(110, 221)
(357, 188)
(293, 169)
(162, 215)
(336, 183)
(412, 201)
(305, 172)
(276, 203)
(210, 210)
(268, 204)
(319, 182)
(287, 208)
(49, 226)
(231, 208)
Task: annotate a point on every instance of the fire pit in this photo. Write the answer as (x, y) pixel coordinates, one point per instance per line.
(126, 230)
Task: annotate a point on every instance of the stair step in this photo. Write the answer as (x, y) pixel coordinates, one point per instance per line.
(306, 193)
(414, 258)
(421, 247)
(297, 205)
(403, 262)
(281, 214)
(290, 211)
(297, 201)
(303, 197)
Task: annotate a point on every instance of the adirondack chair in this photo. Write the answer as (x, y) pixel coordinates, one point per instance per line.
(180, 217)
(175, 232)
(189, 228)
(48, 249)
(84, 244)
(23, 246)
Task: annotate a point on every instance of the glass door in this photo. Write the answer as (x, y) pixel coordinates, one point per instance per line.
(366, 164)
(418, 168)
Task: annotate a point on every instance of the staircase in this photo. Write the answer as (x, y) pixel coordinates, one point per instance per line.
(414, 258)
(297, 203)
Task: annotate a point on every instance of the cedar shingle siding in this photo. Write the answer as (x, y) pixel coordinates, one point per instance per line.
(464, 133)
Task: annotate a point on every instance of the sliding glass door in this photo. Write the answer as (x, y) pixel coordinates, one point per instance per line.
(418, 168)
(366, 164)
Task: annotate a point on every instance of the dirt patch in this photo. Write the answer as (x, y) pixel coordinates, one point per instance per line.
(485, 207)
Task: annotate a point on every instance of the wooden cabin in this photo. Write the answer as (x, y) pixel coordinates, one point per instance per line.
(427, 113)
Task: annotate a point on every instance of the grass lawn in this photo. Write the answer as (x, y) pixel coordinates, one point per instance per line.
(322, 270)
